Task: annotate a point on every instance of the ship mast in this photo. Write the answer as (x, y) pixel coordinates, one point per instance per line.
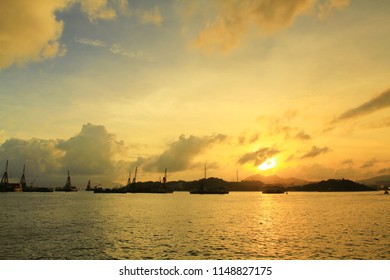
(4, 179)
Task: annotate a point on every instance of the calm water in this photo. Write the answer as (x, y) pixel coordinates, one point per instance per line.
(239, 225)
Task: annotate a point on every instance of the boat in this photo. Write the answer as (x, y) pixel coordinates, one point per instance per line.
(203, 189)
(68, 186)
(109, 190)
(37, 189)
(386, 190)
(274, 190)
(89, 188)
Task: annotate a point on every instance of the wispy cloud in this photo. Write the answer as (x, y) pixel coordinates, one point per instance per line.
(315, 151)
(118, 50)
(233, 19)
(369, 163)
(152, 16)
(115, 49)
(259, 156)
(377, 103)
(145, 16)
(90, 42)
(326, 9)
(98, 9)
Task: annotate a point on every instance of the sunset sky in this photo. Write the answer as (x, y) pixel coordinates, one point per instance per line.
(98, 87)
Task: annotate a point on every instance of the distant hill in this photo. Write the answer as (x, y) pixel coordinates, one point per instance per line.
(376, 181)
(276, 180)
(217, 183)
(333, 185)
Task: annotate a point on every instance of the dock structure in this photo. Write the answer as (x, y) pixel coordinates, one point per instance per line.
(6, 186)
(23, 181)
(4, 179)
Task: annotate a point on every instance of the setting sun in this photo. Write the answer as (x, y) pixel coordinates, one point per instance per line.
(268, 164)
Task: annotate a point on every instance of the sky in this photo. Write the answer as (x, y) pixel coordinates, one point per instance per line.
(294, 88)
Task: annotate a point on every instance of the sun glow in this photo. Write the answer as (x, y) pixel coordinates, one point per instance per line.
(268, 164)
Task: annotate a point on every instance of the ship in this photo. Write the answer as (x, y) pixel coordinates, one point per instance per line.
(109, 190)
(89, 188)
(275, 190)
(68, 186)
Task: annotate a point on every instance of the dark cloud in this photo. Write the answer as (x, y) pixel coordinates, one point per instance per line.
(181, 153)
(377, 103)
(302, 135)
(248, 139)
(369, 163)
(258, 156)
(384, 171)
(348, 162)
(315, 151)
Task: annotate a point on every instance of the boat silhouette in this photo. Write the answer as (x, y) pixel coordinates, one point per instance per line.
(68, 186)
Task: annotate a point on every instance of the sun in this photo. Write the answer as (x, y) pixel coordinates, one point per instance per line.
(268, 164)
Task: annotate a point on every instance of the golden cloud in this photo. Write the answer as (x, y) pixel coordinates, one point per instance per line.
(29, 31)
(235, 18)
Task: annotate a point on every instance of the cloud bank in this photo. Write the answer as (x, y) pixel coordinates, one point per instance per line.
(91, 153)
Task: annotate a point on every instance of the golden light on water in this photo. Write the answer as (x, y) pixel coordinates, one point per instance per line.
(268, 164)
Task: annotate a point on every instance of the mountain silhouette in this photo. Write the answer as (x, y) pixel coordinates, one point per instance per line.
(276, 180)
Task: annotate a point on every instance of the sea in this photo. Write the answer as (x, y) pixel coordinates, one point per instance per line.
(181, 226)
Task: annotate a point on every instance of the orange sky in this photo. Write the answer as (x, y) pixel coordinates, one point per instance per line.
(100, 87)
